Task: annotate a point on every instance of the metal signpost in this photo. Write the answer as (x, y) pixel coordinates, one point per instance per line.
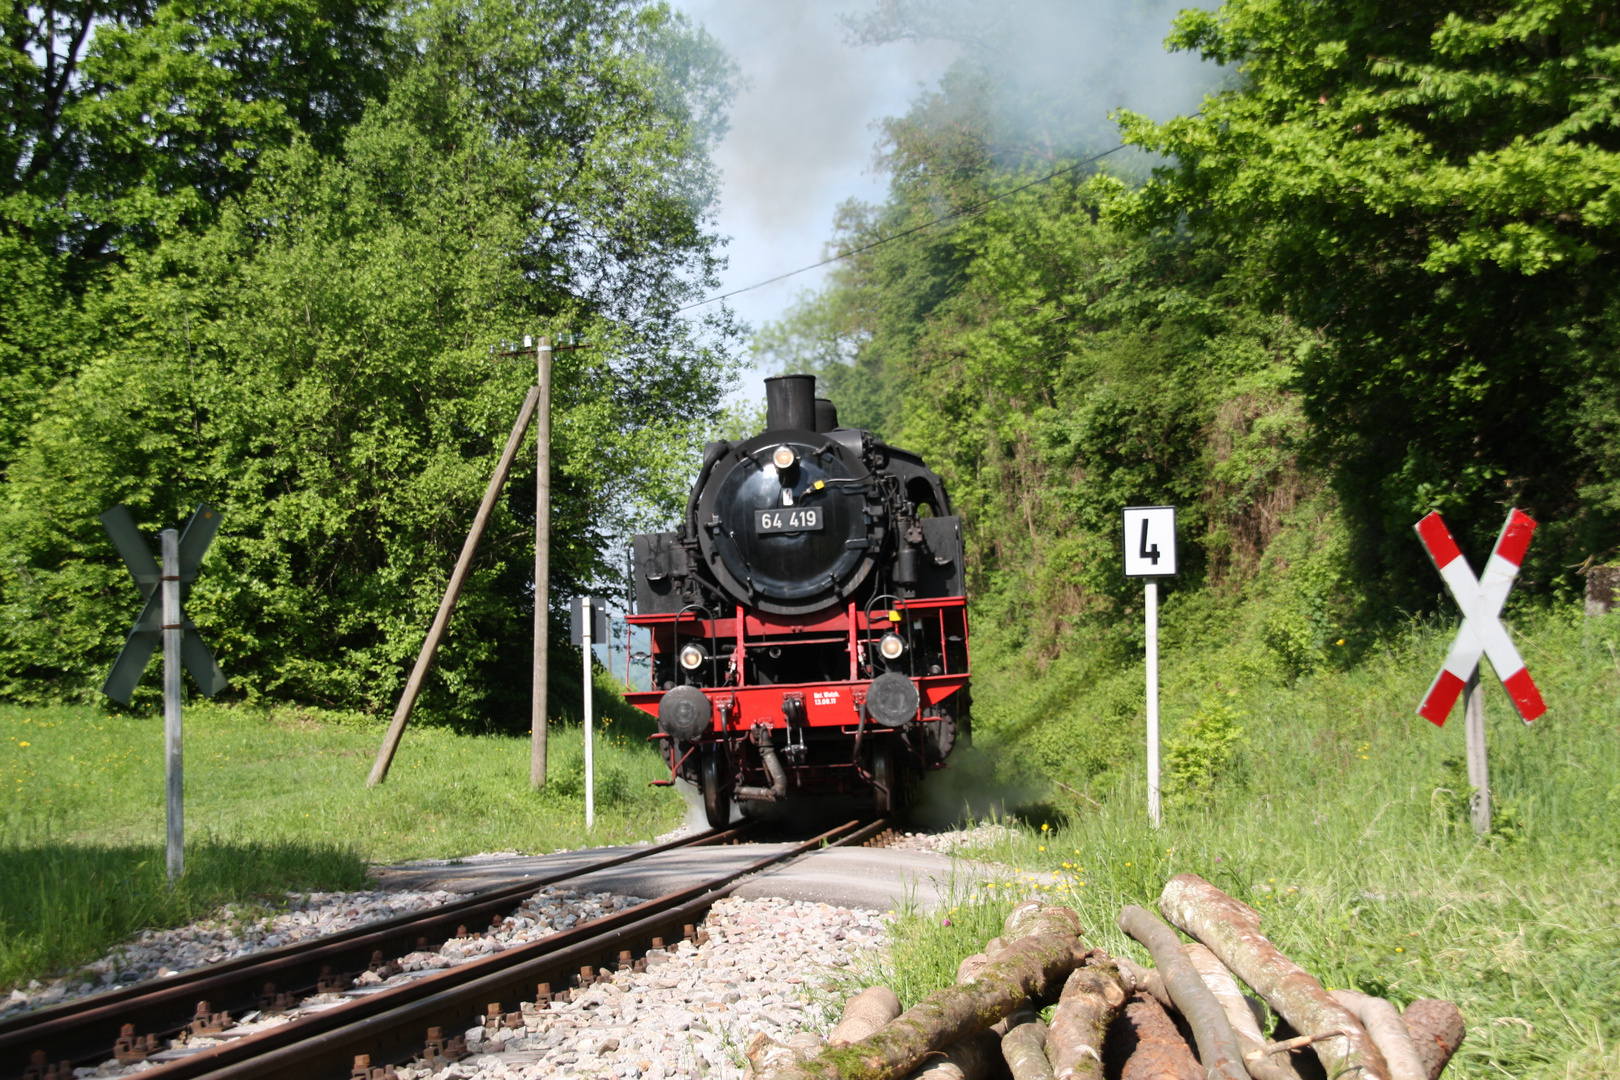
(589, 625)
(163, 617)
(1150, 552)
(1481, 634)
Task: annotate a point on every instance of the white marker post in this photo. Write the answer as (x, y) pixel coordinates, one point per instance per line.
(1150, 552)
(173, 630)
(590, 623)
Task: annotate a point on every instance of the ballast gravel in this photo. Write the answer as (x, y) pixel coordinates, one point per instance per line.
(695, 1009)
(158, 953)
(949, 843)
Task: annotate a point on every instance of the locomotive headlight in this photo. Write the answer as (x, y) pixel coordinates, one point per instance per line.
(784, 458)
(890, 646)
(692, 656)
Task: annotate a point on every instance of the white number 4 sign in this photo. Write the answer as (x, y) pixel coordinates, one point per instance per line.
(1150, 541)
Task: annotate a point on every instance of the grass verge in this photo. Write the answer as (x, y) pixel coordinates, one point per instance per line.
(274, 802)
(1342, 817)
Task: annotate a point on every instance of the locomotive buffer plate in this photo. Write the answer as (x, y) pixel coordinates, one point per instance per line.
(790, 519)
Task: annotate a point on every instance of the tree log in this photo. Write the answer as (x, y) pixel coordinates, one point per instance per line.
(1145, 1044)
(1384, 1026)
(1218, 1046)
(1091, 997)
(974, 1058)
(1232, 931)
(866, 1012)
(766, 1056)
(1022, 972)
(970, 967)
(1146, 979)
(1019, 920)
(1023, 1047)
(1244, 1024)
(1437, 1029)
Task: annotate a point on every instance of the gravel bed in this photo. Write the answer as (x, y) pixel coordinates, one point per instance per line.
(159, 953)
(693, 1012)
(550, 911)
(952, 841)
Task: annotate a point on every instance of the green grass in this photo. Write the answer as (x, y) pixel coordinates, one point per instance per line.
(273, 802)
(1342, 819)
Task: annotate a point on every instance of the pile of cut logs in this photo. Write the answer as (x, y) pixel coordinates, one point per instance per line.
(1185, 1018)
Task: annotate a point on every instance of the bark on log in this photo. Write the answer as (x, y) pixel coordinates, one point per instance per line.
(974, 1058)
(1091, 997)
(1231, 929)
(1024, 971)
(766, 1056)
(1236, 1007)
(1020, 919)
(1147, 980)
(1218, 1046)
(866, 1012)
(1023, 1047)
(1383, 1024)
(1145, 1044)
(970, 967)
(1437, 1029)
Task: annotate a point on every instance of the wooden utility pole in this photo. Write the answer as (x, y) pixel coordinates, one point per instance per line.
(452, 592)
(542, 568)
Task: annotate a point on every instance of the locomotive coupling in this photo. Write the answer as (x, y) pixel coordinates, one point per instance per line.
(761, 735)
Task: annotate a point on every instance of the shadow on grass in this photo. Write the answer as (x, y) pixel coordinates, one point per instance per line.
(62, 905)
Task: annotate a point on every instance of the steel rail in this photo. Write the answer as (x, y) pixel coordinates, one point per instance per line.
(391, 1025)
(70, 1031)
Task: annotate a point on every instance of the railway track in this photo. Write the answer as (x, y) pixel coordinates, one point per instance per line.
(392, 1024)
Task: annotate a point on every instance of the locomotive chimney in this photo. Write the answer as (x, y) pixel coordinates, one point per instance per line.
(826, 415)
(790, 402)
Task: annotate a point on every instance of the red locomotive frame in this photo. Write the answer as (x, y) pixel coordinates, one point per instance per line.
(739, 705)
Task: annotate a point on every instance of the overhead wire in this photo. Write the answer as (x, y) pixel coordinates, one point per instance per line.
(903, 233)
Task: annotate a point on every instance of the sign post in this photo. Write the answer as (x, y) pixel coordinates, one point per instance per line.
(589, 626)
(1481, 634)
(1150, 553)
(542, 568)
(162, 618)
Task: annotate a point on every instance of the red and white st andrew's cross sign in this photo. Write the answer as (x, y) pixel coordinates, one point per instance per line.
(1482, 631)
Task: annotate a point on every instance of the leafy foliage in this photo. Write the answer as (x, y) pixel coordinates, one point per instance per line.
(1433, 190)
(1371, 277)
(316, 364)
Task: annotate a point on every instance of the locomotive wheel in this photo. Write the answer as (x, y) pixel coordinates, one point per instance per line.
(884, 793)
(716, 799)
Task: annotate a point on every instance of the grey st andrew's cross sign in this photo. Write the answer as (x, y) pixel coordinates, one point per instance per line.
(148, 629)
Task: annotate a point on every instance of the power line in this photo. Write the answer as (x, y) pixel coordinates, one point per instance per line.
(902, 234)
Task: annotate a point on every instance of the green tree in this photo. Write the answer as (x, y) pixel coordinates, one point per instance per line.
(1433, 190)
(317, 364)
(126, 122)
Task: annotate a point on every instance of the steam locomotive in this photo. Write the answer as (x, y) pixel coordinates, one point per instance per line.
(808, 620)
